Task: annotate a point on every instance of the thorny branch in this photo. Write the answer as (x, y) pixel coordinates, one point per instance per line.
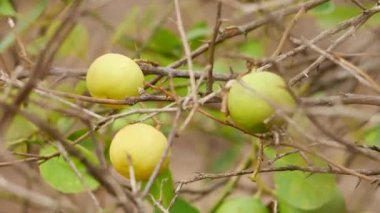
(26, 83)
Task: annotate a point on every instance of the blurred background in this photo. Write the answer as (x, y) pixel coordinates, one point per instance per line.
(147, 30)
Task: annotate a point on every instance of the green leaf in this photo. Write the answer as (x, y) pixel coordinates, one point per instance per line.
(182, 206)
(6, 8)
(372, 136)
(20, 128)
(75, 44)
(166, 43)
(252, 48)
(23, 23)
(336, 205)
(324, 9)
(300, 189)
(340, 13)
(243, 205)
(197, 34)
(163, 186)
(59, 175)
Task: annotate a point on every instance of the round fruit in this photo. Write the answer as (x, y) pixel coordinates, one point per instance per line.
(243, 205)
(251, 101)
(145, 146)
(114, 76)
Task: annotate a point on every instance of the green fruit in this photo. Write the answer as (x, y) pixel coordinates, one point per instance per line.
(114, 76)
(242, 205)
(251, 101)
(144, 144)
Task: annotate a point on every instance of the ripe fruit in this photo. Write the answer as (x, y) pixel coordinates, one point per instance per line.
(252, 99)
(242, 205)
(144, 144)
(114, 76)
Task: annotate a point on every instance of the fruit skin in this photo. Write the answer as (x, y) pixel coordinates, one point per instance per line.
(144, 144)
(250, 104)
(242, 205)
(114, 76)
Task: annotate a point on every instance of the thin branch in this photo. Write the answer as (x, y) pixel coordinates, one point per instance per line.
(210, 65)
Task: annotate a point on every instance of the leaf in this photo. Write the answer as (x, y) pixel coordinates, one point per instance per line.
(20, 128)
(23, 24)
(243, 205)
(164, 182)
(197, 34)
(336, 205)
(59, 175)
(372, 136)
(6, 8)
(166, 43)
(75, 44)
(199, 31)
(182, 206)
(323, 9)
(163, 189)
(300, 189)
(340, 13)
(252, 48)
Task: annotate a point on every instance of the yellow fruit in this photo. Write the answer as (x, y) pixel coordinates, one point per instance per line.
(251, 100)
(144, 144)
(114, 76)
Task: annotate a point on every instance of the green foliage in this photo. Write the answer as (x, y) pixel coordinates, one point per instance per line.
(242, 205)
(6, 8)
(165, 42)
(252, 48)
(324, 9)
(20, 128)
(75, 44)
(301, 190)
(162, 188)
(182, 206)
(330, 14)
(197, 34)
(59, 175)
(336, 205)
(372, 136)
(23, 23)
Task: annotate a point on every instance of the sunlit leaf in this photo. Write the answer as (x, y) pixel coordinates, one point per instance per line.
(59, 175)
(6, 8)
(336, 205)
(323, 9)
(252, 48)
(300, 189)
(340, 13)
(242, 205)
(163, 188)
(372, 136)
